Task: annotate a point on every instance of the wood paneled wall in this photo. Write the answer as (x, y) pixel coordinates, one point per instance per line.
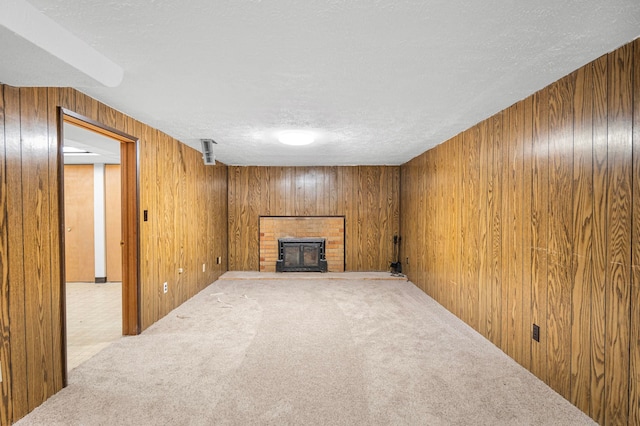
(531, 216)
(186, 204)
(186, 227)
(368, 197)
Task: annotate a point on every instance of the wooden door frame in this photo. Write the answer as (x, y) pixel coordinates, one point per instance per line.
(129, 154)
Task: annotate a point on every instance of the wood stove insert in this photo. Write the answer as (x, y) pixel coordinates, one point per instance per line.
(301, 255)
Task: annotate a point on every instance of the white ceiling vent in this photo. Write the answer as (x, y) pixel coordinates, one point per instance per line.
(207, 152)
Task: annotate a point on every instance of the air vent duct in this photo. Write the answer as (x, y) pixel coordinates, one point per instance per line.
(207, 152)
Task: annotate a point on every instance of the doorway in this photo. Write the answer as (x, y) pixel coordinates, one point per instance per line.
(98, 184)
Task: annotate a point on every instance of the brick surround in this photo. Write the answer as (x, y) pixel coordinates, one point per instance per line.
(329, 227)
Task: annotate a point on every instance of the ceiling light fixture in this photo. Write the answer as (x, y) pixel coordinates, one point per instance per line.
(71, 150)
(296, 137)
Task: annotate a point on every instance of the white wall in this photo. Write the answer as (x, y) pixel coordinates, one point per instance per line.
(99, 223)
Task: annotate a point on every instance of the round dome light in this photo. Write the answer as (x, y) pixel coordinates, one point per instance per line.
(296, 137)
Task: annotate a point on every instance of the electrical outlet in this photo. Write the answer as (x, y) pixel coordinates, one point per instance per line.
(166, 287)
(407, 262)
(204, 268)
(536, 332)
(180, 270)
(218, 260)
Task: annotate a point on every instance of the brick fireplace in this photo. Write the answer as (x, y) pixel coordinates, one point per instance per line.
(331, 228)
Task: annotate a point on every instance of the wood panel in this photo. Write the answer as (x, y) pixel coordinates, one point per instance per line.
(555, 228)
(560, 235)
(425, 189)
(441, 233)
(599, 250)
(405, 189)
(168, 204)
(233, 226)
(366, 196)
(87, 106)
(514, 258)
(420, 184)
(582, 243)
(509, 252)
(36, 226)
(393, 204)
(370, 244)
(494, 328)
(5, 349)
(539, 221)
(17, 326)
(634, 374)
(470, 225)
(357, 198)
(617, 291)
(148, 226)
(182, 271)
(113, 219)
(527, 236)
(503, 152)
(454, 242)
(220, 214)
(79, 217)
(202, 185)
(484, 231)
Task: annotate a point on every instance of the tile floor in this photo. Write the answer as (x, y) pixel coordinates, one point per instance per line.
(94, 319)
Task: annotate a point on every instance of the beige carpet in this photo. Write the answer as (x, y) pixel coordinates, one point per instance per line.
(306, 352)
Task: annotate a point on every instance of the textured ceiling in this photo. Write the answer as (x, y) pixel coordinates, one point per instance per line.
(379, 81)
